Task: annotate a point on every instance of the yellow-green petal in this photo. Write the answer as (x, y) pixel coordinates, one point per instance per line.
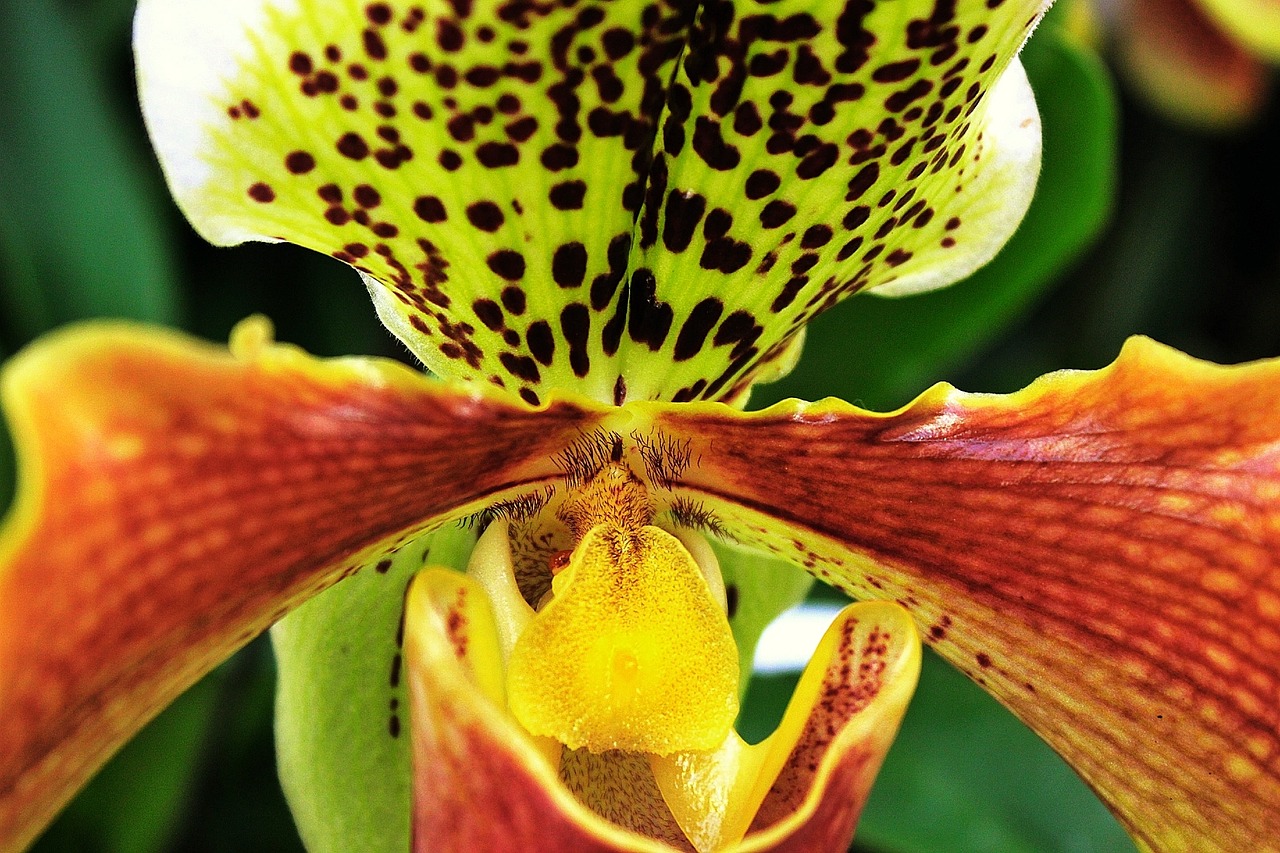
(811, 150)
(631, 201)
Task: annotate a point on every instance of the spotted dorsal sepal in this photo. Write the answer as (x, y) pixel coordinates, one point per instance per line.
(608, 197)
(812, 150)
(479, 161)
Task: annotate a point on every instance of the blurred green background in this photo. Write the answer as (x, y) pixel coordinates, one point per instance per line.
(1139, 226)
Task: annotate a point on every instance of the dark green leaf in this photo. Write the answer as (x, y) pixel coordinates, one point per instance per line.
(83, 235)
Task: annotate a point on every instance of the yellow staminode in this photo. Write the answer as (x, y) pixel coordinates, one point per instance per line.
(632, 653)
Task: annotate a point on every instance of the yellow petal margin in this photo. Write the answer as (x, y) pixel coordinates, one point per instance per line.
(1100, 550)
(175, 499)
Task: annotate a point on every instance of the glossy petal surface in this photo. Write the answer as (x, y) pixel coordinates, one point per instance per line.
(634, 201)
(176, 499)
(1099, 550)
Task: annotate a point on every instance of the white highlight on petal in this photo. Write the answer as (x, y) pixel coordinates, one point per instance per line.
(187, 52)
(789, 642)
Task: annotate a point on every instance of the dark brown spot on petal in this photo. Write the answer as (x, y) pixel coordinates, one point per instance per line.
(299, 162)
(521, 367)
(514, 300)
(575, 325)
(489, 313)
(352, 145)
(485, 215)
(430, 209)
(495, 155)
(761, 183)
(374, 46)
(262, 193)
(569, 264)
(507, 263)
(542, 343)
(777, 213)
(568, 195)
(693, 334)
(816, 236)
(450, 160)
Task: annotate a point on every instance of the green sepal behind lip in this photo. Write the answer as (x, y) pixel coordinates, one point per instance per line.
(342, 710)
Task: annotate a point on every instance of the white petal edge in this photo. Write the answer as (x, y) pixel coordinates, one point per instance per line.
(187, 52)
(1014, 139)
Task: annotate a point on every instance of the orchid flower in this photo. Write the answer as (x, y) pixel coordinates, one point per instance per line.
(598, 224)
(1204, 62)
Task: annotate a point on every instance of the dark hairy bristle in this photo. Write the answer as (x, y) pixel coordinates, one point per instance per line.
(687, 512)
(583, 459)
(665, 458)
(519, 509)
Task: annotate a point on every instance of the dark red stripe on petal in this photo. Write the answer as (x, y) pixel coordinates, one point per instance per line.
(1100, 550)
(177, 500)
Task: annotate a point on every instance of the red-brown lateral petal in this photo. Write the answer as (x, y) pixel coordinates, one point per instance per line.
(1100, 550)
(1184, 64)
(176, 499)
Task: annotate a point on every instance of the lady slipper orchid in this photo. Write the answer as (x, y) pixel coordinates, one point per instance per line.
(599, 223)
(1204, 62)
